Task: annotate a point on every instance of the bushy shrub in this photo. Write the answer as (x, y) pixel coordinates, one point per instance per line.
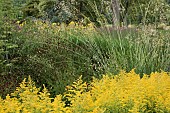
(125, 92)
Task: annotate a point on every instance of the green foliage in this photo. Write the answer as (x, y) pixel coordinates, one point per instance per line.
(31, 9)
(57, 55)
(55, 11)
(7, 15)
(8, 47)
(53, 57)
(98, 11)
(147, 11)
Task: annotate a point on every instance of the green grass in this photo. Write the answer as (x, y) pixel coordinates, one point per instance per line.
(57, 59)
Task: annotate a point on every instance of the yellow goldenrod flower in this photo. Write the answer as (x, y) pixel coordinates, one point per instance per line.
(71, 25)
(125, 92)
(54, 24)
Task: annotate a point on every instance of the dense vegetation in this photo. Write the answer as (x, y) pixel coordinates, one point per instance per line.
(54, 42)
(123, 93)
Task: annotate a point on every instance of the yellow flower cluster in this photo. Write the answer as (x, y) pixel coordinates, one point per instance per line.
(74, 27)
(20, 23)
(70, 28)
(56, 28)
(28, 99)
(125, 93)
(122, 93)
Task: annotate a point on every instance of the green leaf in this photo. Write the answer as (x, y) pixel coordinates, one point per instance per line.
(12, 46)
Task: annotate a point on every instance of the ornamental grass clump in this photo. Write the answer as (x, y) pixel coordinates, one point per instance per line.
(122, 93)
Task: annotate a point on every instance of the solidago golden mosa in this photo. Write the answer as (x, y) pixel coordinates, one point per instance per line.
(122, 93)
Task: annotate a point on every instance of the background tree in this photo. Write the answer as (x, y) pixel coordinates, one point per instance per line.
(99, 11)
(116, 13)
